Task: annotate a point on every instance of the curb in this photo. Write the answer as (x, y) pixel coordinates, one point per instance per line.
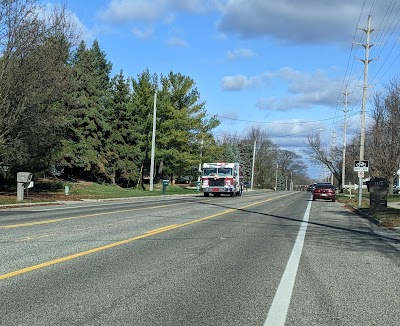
(394, 231)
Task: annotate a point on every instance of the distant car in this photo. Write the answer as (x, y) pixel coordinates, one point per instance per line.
(327, 183)
(311, 187)
(184, 179)
(325, 191)
(396, 189)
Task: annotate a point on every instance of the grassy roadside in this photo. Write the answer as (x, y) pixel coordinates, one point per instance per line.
(389, 217)
(52, 191)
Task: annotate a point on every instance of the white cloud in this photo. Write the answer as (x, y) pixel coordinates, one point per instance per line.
(241, 82)
(143, 34)
(234, 83)
(294, 21)
(177, 42)
(138, 10)
(304, 90)
(145, 10)
(239, 54)
(287, 21)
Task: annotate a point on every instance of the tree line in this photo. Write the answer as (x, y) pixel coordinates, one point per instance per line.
(62, 113)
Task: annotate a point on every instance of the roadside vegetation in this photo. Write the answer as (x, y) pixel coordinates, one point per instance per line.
(389, 217)
(55, 190)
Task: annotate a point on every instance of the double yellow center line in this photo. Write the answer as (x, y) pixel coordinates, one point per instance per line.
(122, 242)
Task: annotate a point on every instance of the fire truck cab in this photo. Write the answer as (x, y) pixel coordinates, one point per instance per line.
(222, 178)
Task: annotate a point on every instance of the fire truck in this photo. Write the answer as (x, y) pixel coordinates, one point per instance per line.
(222, 178)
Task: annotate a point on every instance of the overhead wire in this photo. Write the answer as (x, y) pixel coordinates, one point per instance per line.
(349, 69)
(267, 122)
(383, 36)
(387, 29)
(388, 25)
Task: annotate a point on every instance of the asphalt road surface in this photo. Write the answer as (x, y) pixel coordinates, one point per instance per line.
(266, 258)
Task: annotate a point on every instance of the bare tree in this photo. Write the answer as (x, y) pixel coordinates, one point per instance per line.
(291, 165)
(322, 155)
(34, 49)
(352, 154)
(383, 140)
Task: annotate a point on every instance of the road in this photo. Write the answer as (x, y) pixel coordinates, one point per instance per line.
(266, 258)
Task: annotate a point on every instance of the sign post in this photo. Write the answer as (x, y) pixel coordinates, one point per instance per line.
(360, 166)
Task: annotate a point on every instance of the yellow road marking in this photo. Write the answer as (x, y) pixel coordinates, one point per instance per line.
(119, 243)
(12, 226)
(164, 228)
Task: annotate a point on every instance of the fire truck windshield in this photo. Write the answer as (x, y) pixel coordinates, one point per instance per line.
(221, 172)
(225, 172)
(209, 171)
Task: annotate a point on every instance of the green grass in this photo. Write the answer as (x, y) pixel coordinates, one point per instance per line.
(389, 217)
(47, 191)
(353, 200)
(108, 191)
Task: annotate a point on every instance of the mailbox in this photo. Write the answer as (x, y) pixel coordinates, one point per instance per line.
(24, 177)
(24, 180)
(165, 183)
(378, 193)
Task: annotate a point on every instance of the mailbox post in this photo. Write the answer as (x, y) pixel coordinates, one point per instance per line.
(23, 180)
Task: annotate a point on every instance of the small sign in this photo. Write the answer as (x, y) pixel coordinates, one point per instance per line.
(361, 166)
(361, 174)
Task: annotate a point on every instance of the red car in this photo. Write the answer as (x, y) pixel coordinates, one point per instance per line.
(324, 191)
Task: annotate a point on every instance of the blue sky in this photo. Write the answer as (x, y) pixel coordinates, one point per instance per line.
(280, 65)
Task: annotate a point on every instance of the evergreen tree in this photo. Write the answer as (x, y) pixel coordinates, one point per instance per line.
(143, 103)
(122, 148)
(182, 125)
(87, 128)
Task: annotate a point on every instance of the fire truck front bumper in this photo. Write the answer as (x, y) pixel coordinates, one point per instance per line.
(226, 189)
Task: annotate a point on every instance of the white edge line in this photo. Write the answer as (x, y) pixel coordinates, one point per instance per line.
(280, 305)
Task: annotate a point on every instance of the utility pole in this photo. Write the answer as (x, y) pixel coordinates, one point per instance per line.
(346, 94)
(291, 181)
(153, 141)
(366, 62)
(254, 161)
(333, 145)
(201, 157)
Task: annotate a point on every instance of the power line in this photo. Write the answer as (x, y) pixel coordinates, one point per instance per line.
(270, 122)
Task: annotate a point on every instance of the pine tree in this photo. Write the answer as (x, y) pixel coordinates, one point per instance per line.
(182, 125)
(122, 148)
(143, 103)
(87, 128)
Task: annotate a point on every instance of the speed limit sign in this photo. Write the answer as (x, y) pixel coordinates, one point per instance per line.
(361, 174)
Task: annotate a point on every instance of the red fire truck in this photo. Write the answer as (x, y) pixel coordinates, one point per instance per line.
(222, 178)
